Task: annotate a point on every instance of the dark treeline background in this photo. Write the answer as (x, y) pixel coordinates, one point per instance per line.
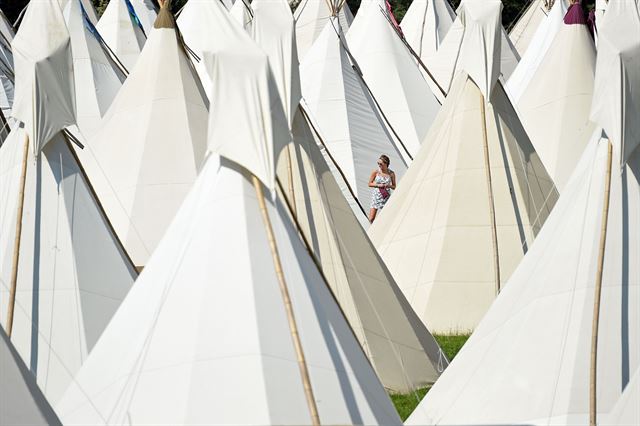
(510, 11)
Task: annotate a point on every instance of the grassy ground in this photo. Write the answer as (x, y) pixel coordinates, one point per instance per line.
(406, 403)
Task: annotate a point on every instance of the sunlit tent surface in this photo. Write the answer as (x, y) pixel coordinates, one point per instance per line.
(554, 107)
(66, 265)
(145, 10)
(242, 14)
(87, 5)
(528, 362)
(151, 143)
(22, 402)
(527, 25)
(311, 17)
(448, 60)
(541, 41)
(425, 25)
(626, 412)
(122, 30)
(346, 116)
(97, 78)
(392, 74)
(194, 283)
(473, 199)
(399, 347)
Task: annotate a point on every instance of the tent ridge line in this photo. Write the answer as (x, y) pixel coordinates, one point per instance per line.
(288, 306)
(598, 291)
(17, 239)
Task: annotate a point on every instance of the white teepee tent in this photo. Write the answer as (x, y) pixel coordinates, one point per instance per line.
(97, 77)
(392, 74)
(473, 199)
(23, 404)
(312, 16)
(151, 142)
(122, 31)
(524, 29)
(446, 63)
(87, 5)
(146, 12)
(399, 347)
(253, 273)
(63, 272)
(242, 14)
(554, 107)
(534, 346)
(540, 44)
(425, 25)
(346, 116)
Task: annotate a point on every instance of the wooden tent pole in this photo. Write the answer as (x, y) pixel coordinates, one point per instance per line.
(492, 208)
(284, 291)
(16, 242)
(598, 291)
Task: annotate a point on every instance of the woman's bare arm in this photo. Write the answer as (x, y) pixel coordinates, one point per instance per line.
(372, 178)
(393, 180)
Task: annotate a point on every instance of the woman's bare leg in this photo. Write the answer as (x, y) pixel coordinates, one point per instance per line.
(372, 215)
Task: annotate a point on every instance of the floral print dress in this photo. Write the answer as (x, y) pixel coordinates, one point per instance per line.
(379, 196)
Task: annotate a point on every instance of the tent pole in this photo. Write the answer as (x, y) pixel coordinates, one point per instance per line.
(284, 291)
(598, 292)
(16, 242)
(492, 209)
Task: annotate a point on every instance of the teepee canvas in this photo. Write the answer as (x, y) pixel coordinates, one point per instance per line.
(252, 273)
(425, 25)
(146, 12)
(63, 272)
(346, 116)
(554, 107)
(473, 199)
(151, 142)
(242, 14)
(534, 346)
(540, 43)
(23, 404)
(97, 77)
(87, 5)
(122, 31)
(626, 412)
(6, 70)
(311, 17)
(392, 74)
(523, 31)
(448, 60)
(399, 347)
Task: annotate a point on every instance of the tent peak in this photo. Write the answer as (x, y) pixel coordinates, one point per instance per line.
(165, 17)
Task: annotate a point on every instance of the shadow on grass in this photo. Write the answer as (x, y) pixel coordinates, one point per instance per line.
(406, 403)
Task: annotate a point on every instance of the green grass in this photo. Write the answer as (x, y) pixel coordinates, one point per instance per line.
(406, 403)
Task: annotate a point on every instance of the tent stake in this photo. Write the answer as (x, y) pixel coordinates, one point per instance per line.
(284, 291)
(598, 292)
(492, 209)
(16, 241)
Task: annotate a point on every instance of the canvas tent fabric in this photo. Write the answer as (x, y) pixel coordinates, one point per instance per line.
(242, 14)
(122, 31)
(6, 66)
(151, 143)
(206, 26)
(392, 74)
(425, 25)
(23, 404)
(554, 108)
(97, 78)
(448, 60)
(345, 114)
(436, 234)
(626, 412)
(525, 28)
(534, 344)
(87, 5)
(401, 350)
(41, 49)
(72, 272)
(146, 13)
(274, 30)
(311, 18)
(254, 360)
(541, 41)
(619, 58)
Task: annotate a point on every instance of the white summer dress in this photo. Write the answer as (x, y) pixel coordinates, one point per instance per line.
(378, 200)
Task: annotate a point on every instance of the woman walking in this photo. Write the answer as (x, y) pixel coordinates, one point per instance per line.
(382, 180)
